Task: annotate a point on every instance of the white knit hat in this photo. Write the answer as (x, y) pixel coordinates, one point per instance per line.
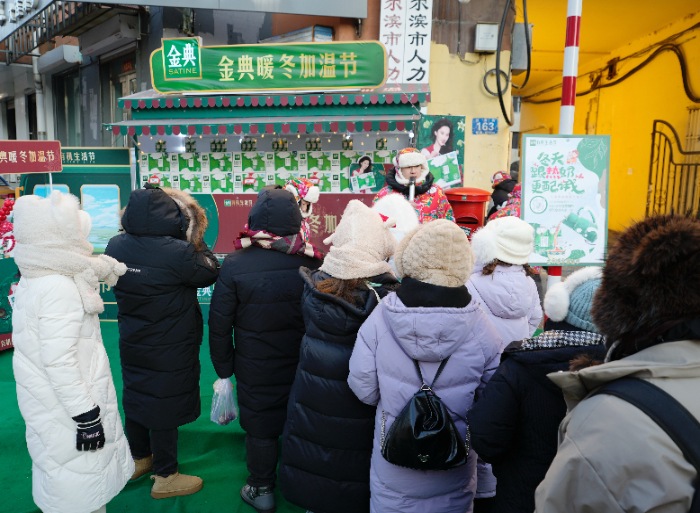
(361, 242)
(437, 252)
(508, 239)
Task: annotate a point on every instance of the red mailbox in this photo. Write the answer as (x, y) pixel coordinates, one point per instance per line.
(469, 207)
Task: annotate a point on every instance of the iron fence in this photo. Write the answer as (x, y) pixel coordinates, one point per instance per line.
(674, 177)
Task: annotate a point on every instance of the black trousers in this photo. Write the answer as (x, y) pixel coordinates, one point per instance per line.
(162, 443)
(261, 457)
(484, 505)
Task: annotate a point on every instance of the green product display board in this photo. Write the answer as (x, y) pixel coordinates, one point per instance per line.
(184, 65)
(445, 170)
(249, 172)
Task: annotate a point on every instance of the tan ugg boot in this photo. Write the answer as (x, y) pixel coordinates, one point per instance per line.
(143, 467)
(175, 485)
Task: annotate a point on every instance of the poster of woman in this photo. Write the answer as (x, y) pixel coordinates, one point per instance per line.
(441, 134)
(365, 166)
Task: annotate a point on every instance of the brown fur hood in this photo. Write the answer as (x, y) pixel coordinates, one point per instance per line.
(651, 277)
(196, 215)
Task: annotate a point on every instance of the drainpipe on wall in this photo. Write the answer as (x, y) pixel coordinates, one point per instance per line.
(40, 103)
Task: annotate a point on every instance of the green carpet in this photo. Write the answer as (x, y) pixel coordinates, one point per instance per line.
(214, 453)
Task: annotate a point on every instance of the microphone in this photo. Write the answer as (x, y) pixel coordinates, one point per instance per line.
(411, 189)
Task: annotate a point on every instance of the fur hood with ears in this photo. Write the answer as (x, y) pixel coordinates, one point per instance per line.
(651, 277)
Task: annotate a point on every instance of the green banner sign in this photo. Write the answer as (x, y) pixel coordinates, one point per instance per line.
(95, 157)
(184, 65)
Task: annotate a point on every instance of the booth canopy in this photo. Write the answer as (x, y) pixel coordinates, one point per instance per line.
(387, 108)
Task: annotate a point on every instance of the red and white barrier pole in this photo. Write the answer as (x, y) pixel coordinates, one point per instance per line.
(568, 93)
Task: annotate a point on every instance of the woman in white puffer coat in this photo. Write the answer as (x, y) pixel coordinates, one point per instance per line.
(80, 455)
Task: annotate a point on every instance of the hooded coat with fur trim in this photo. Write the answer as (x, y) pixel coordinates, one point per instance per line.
(160, 321)
(430, 198)
(61, 367)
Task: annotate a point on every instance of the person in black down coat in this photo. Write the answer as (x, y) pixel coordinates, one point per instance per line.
(514, 425)
(160, 327)
(503, 185)
(327, 442)
(257, 299)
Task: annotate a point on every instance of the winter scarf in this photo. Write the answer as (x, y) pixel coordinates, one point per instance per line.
(293, 244)
(51, 238)
(38, 260)
(556, 339)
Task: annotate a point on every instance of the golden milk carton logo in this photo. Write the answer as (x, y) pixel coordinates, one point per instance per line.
(182, 58)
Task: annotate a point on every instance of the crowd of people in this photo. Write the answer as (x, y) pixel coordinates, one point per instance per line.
(399, 372)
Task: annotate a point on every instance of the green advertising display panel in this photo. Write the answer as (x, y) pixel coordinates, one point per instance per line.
(184, 65)
(565, 197)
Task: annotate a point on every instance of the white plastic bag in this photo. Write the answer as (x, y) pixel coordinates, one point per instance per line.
(223, 406)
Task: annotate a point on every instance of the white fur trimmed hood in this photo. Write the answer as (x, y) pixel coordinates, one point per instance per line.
(51, 235)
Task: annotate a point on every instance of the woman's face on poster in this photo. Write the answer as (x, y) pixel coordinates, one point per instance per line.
(364, 165)
(442, 135)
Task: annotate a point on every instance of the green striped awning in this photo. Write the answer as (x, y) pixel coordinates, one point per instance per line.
(267, 125)
(388, 94)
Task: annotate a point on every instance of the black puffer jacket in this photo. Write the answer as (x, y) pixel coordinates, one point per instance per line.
(327, 443)
(500, 194)
(514, 425)
(257, 299)
(160, 321)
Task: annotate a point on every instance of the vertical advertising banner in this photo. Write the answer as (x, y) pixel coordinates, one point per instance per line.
(565, 197)
(419, 28)
(406, 28)
(392, 32)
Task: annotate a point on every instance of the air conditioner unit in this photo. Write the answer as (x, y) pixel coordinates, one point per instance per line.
(59, 59)
(113, 33)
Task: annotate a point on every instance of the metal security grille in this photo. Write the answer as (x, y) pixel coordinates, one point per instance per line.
(57, 19)
(674, 172)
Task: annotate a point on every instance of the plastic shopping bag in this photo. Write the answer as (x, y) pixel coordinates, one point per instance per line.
(223, 406)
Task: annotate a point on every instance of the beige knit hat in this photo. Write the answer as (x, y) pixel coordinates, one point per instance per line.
(361, 242)
(437, 253)
(509, 239)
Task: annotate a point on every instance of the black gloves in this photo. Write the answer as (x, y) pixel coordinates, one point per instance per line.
(91, 434)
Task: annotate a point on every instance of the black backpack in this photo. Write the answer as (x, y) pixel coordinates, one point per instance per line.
(669, 414)
(423, 436)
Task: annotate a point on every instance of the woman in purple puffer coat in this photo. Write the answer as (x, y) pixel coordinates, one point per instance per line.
(431, 317)
(501, 280)
(501, 283)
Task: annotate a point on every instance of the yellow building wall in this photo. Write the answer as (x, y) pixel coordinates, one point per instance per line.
(627, 111)
(457, 89)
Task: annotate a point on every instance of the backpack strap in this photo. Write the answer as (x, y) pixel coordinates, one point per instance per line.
(668, 413)
(437, 375)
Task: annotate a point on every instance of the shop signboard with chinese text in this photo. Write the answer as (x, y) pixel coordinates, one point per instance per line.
(184, 65)
(30, 157)
(95, 157)
(565, 197)
(406, 30)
